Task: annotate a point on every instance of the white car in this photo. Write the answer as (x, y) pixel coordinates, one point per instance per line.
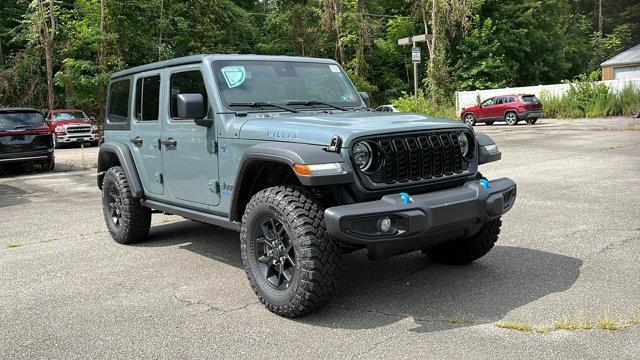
(386, 108)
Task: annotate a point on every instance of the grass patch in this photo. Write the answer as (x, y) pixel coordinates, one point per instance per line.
(608, 322)
(459, 320)
(518, 326)
(572, 324)
(14, 245)
(543, 330)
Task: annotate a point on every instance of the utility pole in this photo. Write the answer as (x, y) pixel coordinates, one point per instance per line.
(415, 55)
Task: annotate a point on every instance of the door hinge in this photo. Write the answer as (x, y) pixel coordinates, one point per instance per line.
(215, 147)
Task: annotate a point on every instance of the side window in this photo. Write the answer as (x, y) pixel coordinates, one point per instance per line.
(187, 82)
(512, 99)
(119, 101)
(500, 101)
(148, 98)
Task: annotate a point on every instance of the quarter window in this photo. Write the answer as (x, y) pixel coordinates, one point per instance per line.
(512, 99)
(148, 98)
(119, 101)
(187, 82)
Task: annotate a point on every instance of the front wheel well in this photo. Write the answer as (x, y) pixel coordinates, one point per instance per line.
(259, 175)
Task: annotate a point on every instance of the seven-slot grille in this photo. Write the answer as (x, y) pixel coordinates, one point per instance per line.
(417, 157)
(78, 129)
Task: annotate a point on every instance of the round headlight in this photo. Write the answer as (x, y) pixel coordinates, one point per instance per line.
(362, 155)
(464, 139)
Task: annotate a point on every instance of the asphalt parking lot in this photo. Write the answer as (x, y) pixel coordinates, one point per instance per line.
(568, 251)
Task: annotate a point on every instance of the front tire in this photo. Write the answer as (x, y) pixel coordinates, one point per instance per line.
(464, 251)
(511, 118)
(291, 263)
(127, 220)
(531, 121)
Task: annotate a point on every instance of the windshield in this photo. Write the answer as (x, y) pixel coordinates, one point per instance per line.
(285, 83)
(14, 120)
(69, 115)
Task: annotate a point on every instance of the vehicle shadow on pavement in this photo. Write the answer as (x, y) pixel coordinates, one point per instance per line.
(438, 297)
(435, 297)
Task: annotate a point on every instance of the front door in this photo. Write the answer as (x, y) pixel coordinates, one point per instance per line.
(190, 162)
(146, 128)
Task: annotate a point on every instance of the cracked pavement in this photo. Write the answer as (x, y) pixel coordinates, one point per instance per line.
(569, 248)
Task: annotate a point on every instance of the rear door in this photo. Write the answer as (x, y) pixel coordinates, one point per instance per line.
(498, 110)
(190, 162)
(146, 129)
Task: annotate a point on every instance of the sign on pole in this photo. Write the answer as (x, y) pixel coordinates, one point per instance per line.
(415, 55)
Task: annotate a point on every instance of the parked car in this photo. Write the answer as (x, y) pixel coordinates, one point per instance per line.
(25, 138)
(386, 108)
(284, 151)
(72, 126)
(508, 108)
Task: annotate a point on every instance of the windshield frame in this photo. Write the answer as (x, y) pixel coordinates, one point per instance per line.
(216, 65)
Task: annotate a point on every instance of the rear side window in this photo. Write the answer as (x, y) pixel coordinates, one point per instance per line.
(530, 99)
(512, 99)
(188, 82)
(148, 98)
(119, 101)
(501, 101)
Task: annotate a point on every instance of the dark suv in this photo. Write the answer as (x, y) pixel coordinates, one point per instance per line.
(25, 137)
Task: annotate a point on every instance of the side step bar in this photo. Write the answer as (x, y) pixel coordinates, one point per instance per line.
(192, 214)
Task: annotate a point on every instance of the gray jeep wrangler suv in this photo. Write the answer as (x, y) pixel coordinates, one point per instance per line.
(286, 151)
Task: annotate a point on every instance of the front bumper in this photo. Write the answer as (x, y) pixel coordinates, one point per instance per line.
(427, 220)
(77, 138)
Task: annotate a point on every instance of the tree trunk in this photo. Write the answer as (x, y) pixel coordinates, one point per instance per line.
(339, 49)
(600, 19)
(48, 48)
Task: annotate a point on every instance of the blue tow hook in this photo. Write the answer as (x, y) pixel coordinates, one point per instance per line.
(485, 183)
(406, 198)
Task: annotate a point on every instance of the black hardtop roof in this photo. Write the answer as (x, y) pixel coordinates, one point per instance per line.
(194, 59)
(18, 110)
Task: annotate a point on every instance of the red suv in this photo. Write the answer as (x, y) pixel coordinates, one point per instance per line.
(72, 127)
(508, 108)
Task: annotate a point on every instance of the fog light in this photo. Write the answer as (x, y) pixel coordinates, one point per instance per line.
(385, 224)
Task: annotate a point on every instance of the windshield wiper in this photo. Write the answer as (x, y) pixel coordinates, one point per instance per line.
(261, 104)
(316, 102)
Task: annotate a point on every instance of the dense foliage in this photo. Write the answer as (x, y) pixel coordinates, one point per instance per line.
(61, 53)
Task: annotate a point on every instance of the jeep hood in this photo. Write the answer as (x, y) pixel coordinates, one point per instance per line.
(318, 128)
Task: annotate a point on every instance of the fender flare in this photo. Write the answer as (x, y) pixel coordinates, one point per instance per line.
(122, 152)
(487, 149)
(289, 154)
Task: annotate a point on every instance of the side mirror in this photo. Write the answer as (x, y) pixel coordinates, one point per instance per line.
(365, 98)
(191, 106)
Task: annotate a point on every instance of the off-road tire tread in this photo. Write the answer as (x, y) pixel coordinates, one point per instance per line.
(136, 219)
(464, 251)
(319, 256)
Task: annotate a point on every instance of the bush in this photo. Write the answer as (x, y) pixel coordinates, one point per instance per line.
(591, 99)
(420, 105)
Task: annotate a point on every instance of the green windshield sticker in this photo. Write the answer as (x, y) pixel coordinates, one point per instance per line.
(234, 75)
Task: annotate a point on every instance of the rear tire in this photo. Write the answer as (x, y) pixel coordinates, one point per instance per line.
(464, 251)
(291, 263)
(48, 165)
(489, 122)
(470, 119)
(531, 121)
(511, 118)
(127, 220)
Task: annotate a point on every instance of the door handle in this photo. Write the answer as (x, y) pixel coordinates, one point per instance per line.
(170, 142)
(136, 140)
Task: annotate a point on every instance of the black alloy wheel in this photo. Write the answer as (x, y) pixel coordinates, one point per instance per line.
(275, 254)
